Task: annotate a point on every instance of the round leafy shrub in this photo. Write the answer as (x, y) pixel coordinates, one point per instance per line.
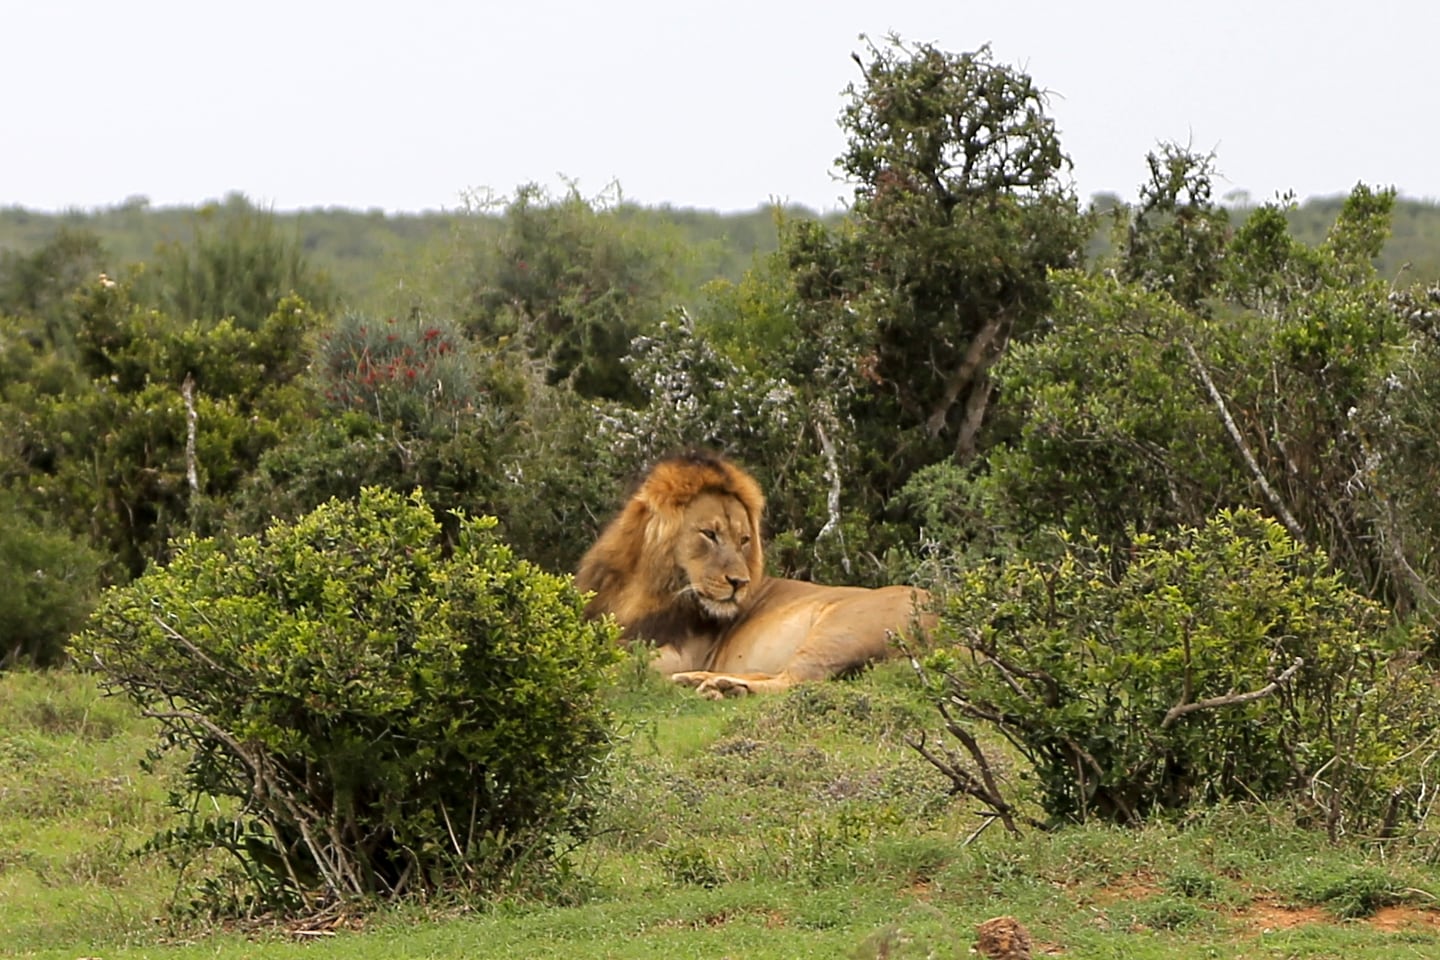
(1220, 663)
(387, 717)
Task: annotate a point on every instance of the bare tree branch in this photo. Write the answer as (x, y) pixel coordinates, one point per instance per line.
(1281, 511)
(192, 477)
(195, 651)
(832, 498)
(975, 407)
(1232, 699)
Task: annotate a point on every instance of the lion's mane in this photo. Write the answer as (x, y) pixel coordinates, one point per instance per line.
(630, 568)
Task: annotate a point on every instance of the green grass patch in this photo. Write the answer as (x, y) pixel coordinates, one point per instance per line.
(799, 825)
(74, 808)
(1351, 892)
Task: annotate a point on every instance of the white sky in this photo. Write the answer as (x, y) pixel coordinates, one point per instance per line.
(716, 105)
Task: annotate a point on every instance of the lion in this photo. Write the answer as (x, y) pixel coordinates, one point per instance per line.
(682, 567)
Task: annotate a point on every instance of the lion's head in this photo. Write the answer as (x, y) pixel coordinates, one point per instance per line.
(685, 549)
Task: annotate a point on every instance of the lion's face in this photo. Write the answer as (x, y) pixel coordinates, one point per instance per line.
(683, 557)
(715, 554)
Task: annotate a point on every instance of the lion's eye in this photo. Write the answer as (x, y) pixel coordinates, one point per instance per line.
(745, 541)
(711, 536)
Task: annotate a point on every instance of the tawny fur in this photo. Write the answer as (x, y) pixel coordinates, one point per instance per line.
(682, 567)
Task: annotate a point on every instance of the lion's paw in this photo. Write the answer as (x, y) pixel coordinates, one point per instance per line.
(712, 686)
(719, 686)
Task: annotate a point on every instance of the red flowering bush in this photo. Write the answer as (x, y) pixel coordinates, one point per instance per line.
(417, 372)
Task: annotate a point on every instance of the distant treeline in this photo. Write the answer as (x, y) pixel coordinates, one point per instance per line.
(362, 251)
(1411, 254)
(1413, 246)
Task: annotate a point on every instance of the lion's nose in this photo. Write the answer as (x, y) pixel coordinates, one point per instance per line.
(737, 582)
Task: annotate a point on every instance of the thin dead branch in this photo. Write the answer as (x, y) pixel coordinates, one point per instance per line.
(192, 476)
(832, 497)
(1232, 699)
(1241, 447)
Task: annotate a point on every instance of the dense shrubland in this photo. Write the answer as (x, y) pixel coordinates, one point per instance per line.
(1179, 499)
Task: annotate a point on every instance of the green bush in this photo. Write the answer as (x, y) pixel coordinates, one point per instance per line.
(1203, 373)
(387, 717)
(110, 455)
(47, 583)
(239, 262)
(1223, 663)
(518, 449)
(1115, 434)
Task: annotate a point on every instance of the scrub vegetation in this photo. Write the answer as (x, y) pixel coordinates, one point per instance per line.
(302, 493)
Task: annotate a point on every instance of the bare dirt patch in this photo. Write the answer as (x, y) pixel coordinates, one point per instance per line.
(1133, 886)
(1267, 916)
(1395, 919)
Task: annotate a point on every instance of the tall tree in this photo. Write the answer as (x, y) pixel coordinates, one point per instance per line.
(1175, 239)
(962, 207)
(572, 282)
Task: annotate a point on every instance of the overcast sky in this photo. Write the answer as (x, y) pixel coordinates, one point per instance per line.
(726, 106)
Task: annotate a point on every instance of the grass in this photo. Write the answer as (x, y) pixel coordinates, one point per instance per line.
(73, 805)
(781, 827)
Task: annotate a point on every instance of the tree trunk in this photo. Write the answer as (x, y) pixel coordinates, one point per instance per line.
(975, 406)
(984, 347)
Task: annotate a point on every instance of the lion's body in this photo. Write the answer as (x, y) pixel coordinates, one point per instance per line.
(682, 567)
